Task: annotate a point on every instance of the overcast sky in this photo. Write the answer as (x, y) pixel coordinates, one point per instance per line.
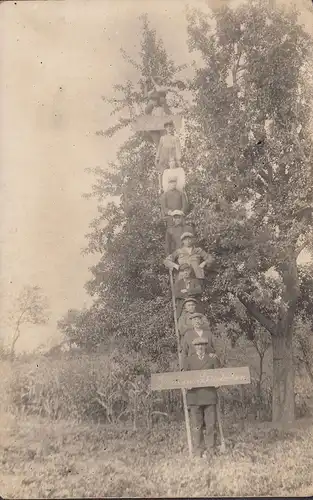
(57, 59)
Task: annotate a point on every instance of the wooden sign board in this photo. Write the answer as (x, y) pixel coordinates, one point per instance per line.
(147, 123)
(200, 378)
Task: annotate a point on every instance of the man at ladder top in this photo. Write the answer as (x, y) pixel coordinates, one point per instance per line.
(202, 401)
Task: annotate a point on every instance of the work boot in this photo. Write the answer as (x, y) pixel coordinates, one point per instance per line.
(209, 454)
(198, 452)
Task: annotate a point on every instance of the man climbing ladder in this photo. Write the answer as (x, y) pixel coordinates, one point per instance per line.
(198, 376)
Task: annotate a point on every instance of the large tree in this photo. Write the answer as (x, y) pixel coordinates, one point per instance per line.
(129, 283)
(250, 157)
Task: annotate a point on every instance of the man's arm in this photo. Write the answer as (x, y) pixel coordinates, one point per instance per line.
(185, 347)
(158, 152)
(208, 259)
(217, 363)
(179, 294)
(163, 204)
(185, 363)
(168, 242)
(178, 149)
(169, 262)
(213, 354)
(185, 204)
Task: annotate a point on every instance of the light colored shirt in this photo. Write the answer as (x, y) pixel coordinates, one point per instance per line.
(199, 332)
(191, 256)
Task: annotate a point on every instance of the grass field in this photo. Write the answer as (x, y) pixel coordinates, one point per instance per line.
(59, 459)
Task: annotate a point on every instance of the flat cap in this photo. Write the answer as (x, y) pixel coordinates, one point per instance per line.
(200, 341)
(186, 235)
(190, 299)
(176, 212)
(185, 266)
(168, 122)
(196, 315)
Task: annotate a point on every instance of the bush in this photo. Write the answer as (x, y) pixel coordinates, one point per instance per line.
(116, 388)
(94, 386)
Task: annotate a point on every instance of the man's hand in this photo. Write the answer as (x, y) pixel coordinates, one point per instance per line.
(210, 261)
(173, 266)
(202, 265)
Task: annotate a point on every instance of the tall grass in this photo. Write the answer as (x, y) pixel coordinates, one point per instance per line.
(116, 388)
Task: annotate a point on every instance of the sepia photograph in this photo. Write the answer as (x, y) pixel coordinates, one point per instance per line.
(156, 223)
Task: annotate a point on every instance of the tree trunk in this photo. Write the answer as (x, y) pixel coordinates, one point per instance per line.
(307, 353)
(283, 402)
(283, 399)
(14, 340)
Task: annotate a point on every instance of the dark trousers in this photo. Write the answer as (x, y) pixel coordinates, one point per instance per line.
(157, 103)
(203, 416)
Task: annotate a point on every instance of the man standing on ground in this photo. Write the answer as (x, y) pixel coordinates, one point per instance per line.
(202, 401)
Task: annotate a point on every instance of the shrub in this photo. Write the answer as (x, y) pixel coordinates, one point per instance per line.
(97, 387)
(115, 388)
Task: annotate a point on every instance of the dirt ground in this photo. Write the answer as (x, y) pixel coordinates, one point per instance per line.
(66, 459)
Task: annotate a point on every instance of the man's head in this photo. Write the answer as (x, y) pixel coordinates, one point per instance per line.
(187, 239)
(169, 127)
(172, 183)
(200, 345)
(185, 270)
(178, 217)
(197, 320)
(172, 163)
(190, 305)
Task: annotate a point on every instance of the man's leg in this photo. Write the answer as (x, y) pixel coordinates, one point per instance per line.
(210, 424)
(196, 414)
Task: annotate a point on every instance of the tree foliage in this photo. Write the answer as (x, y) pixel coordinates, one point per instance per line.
(129, 284)
(248, 158)
(252, 107)
(30, 308)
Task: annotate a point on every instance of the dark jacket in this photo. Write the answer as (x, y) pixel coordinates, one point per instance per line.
(184, 321)
(186, 288)
(190, 335)
(172, 237)
(173, 200)
(201, 395)
(191, 256)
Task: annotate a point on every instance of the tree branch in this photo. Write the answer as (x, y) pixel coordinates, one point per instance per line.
(252, 309)
(235, 68)
(303, 245)
(17, 329)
